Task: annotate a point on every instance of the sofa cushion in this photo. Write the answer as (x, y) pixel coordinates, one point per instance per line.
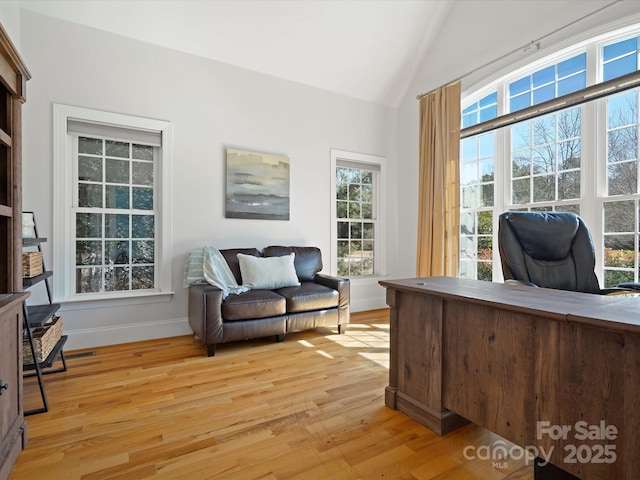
(308, 260)
(231, 256)
(253, 304)
(309, 296)
(268, 273)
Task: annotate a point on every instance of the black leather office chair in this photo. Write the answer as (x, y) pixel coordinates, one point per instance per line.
(550, 249)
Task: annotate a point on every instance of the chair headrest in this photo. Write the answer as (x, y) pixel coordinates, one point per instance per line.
(544, 235)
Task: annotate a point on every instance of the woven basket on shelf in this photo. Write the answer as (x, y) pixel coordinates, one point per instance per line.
(31, 264)
(44, 339)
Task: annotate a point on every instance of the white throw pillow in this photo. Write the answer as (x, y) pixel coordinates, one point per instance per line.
(268, 272)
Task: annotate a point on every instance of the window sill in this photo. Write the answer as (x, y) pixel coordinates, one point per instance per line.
(368, 280)
(115, 300)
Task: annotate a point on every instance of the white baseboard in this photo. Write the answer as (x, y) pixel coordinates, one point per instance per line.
(371, 303)
(96, 337)
(100, 336)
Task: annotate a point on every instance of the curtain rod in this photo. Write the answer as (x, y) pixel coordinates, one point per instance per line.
(528, 46)
(594, 92)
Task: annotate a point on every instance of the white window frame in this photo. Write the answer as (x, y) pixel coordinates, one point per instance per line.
(380, 189)
(593, 174)
(64, 179)
(479, 209)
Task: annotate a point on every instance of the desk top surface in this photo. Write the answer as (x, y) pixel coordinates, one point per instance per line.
(613, 312)
(626, 313)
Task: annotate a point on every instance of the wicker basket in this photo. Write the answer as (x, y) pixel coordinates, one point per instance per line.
(44, 339)
(31, 264)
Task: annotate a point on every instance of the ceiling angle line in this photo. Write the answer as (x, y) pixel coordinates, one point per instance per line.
(526, 47)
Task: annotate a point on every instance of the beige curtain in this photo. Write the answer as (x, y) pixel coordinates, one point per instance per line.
(439, 185)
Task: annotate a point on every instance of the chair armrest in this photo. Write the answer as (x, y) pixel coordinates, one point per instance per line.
(512, 281)
(205, 313)
(623, 288)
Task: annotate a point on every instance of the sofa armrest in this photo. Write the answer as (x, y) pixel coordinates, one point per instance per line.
(205, 313)
(343, 286)
(337, 283)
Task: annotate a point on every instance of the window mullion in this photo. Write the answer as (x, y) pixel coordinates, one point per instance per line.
(503, 198)
(594, 141)
(594, 69)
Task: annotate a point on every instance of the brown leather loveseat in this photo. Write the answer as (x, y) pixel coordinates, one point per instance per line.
(319, 300)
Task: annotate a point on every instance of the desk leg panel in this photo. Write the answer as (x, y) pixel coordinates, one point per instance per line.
(489, 368)
(419, 348)
(393, 347)
(630, 437)
(415, 375)
(585, 385)
(440, 422)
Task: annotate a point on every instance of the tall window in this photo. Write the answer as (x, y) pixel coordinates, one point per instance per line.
(115, 216)
(621, 222)
(583, 159)
(545, 159)
(357, 226)
(114, 239)
(477, 180)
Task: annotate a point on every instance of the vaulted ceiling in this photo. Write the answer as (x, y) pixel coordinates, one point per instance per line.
(366, 49)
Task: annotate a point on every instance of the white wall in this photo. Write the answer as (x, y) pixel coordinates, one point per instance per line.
(10, 19)
(474, 33)
(211, 106)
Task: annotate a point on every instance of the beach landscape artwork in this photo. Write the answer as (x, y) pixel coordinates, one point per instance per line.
(257, 185)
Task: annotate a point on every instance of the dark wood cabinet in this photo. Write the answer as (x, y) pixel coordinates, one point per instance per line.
(13, 76)
(13, 433)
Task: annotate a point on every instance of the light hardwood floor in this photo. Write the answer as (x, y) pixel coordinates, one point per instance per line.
(311, 407)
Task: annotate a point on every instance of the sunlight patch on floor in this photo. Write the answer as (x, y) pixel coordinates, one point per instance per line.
(371, 339)
(325, 354)
(381, 359)
(381, 326)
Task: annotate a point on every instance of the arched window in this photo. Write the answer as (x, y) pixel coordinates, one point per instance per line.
(582, 159)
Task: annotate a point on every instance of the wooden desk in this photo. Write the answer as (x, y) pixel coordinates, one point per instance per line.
(511, 358)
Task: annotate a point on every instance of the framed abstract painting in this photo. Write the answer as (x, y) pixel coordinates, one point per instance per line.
(257, 185)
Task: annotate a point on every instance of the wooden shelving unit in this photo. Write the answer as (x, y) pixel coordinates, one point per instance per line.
(38, 316)
(13, 78)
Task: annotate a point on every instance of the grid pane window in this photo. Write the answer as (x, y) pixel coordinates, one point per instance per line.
(476, 245)
(621, 225)
(584, 159)
(621, 249)
(619, 58)
(115, 218)
(547, 83)
(622, 144)
(477, 183)
(546, 158)
(481, 111)
(356, 220)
